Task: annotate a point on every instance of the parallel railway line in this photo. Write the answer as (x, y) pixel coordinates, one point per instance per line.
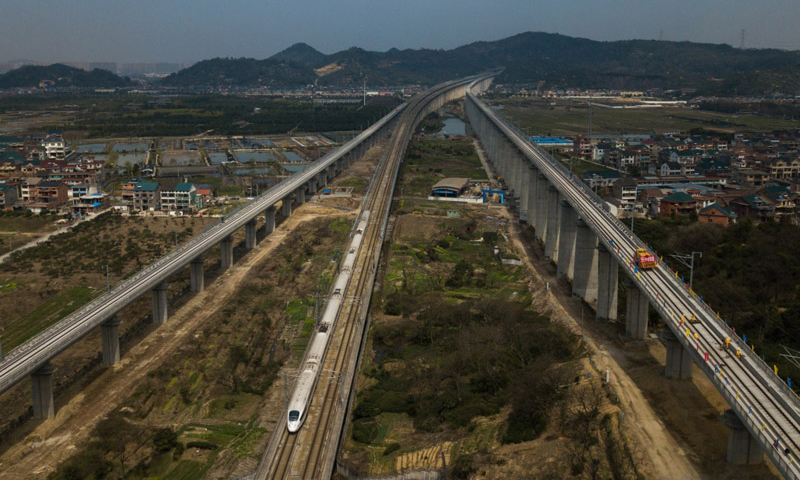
(308, 453)
(768, 409)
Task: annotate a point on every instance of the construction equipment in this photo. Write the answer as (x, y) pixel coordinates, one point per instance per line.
(645, 259)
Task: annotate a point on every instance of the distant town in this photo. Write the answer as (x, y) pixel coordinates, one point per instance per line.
(753, 176)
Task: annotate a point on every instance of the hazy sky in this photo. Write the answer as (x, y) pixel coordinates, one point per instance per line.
(192, 30)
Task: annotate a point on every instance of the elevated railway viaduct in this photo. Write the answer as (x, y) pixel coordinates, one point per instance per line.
(590, 246)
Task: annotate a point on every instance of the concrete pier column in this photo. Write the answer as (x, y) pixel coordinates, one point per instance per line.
(160, 303)
(197, 280)
(541, 206)
(553, 214)
(636, 312)
(286, 207)
(269, 216)
(743, 449)
(518, 166)
(300, 195)
(331, 174)
(566, 241)
(226, 253)
(525, 190)
(679, 360)
(533, 183)
(110, 333)
(250, 235)
(42, 388)
(607, 284)
(584, 285)
(340, 165)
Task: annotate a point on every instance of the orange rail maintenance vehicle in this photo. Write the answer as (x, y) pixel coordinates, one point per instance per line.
(645, 259)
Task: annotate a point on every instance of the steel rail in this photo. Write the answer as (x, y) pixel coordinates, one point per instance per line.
(768, 408)
(31, 355)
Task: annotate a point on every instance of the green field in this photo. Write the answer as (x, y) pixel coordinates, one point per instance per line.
(429, 161)
(566, 117)
(44, 315)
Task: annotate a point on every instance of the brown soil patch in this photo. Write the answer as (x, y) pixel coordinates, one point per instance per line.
(673, 424)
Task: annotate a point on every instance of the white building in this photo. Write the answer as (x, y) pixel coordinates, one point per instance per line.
(54, 147)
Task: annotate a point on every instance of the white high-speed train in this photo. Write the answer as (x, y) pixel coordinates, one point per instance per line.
(309, 374)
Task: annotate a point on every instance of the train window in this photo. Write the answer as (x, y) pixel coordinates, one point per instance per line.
(338, 291)
(294, 415)
(359, 231)
(323, 328)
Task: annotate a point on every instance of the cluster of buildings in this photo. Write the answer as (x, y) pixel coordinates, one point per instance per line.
(40, 174)
(147, 196)
(37, 174)
(752, 175)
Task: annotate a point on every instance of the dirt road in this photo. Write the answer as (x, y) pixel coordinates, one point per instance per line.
(56, 439)
(666, 457)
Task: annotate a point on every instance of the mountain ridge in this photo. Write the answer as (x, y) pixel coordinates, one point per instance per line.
(60, 75)
(550, 59)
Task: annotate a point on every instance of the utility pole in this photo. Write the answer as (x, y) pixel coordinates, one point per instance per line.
(741, 42)
(108, 282)
(633, 215)
(316, 308)
(688, 260)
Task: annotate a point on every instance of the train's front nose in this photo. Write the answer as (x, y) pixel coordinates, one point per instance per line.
(294, 421)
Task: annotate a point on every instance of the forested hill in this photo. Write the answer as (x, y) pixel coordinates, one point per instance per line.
(59, 75)
(532, 57)
(243, 72)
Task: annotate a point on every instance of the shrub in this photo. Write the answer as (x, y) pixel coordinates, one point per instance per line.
(391, 448)
(165, 440)
(202, 445)
(365, 430)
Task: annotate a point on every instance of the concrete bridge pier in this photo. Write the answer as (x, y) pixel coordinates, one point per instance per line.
(269, 216)
(286, 207)
(524, 189)
(160, 303)
(339, 166)
(541, 206)
(551, 238)
(110, 333)
(607, 284)
(517, 166)
(743, 448)
(250, 235)
(511, 168)
(42, 388)
(331, 174)
(637, 311)
(533, 183)
(567, 224)
(300, 195)
(584, 284)
(197, 281)
(226, 253)
(679, 360)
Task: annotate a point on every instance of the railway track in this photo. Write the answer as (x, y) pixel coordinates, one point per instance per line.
(767, 410)
(309, 453)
